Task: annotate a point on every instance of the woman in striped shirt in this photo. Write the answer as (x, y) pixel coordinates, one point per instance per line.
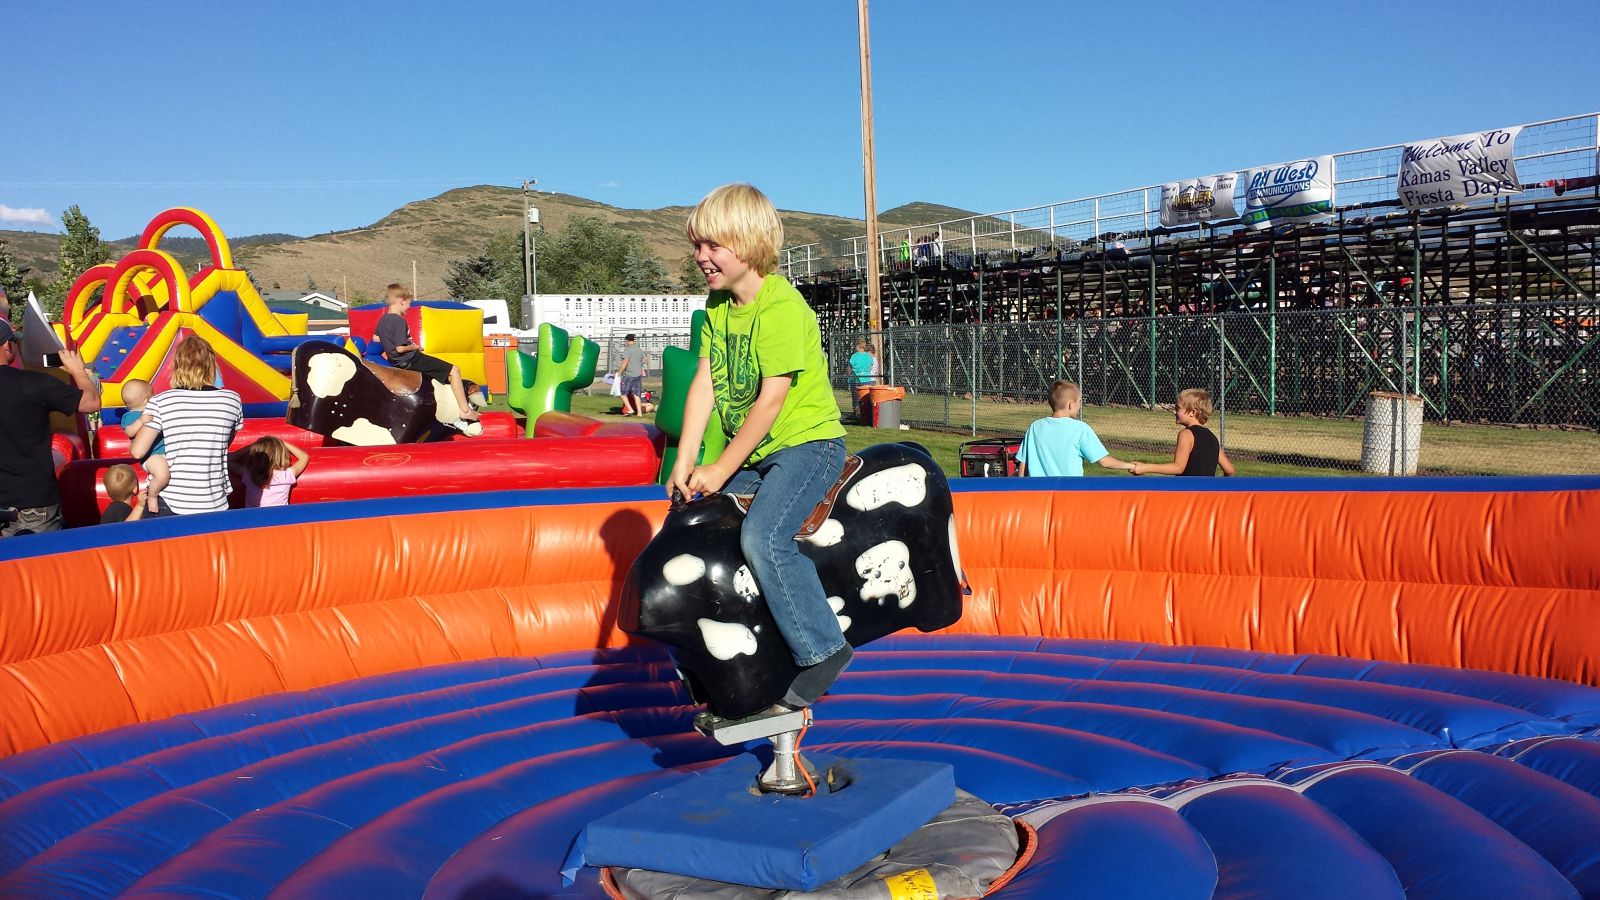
(198, 421)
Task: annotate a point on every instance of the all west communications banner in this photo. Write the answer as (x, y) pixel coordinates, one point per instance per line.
(1300, 191)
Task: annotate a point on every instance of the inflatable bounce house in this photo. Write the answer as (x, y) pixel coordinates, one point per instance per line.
(125, 318)
(1192, 688)
(146, 303)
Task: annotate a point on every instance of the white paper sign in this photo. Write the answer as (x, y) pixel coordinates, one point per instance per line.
(1198, 200)
(1462, 168)
(1300, 191)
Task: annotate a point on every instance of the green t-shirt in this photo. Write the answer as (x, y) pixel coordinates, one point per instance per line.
(776, 334)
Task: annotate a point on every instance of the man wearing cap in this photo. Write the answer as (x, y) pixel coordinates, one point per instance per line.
(27, 472)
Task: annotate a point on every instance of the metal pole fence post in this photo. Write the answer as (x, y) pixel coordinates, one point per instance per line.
(1416, 303)
(1222, 381)
(1079, 324)
(1397, 427)
(1060, 350)
(1272, 335)
(977, 361)
(1152, 358)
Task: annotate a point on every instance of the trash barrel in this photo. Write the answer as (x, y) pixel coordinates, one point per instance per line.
(494, 361)
(863, 409)
(1391, 435)
(881, 408)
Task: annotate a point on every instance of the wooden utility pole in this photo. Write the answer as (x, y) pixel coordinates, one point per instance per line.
(869, 168)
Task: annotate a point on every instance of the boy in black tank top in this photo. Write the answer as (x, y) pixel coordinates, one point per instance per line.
(1198, 452)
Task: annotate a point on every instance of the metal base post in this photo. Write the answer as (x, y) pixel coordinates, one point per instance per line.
(783, 728)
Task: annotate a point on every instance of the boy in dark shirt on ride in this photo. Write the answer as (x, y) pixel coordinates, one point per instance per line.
(127, 497)
(398, 348)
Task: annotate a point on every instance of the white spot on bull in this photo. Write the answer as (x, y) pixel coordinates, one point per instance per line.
(830, 532)
(725, 640)
(445, 409)
(329, 372)
(837, 604)
(363, 432)
(745, 585)
(685, 568)
(906, 485)
(886, 569)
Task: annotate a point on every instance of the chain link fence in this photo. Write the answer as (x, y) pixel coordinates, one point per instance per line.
(1502, 388)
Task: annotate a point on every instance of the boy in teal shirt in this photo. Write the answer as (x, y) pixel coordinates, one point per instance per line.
(763, 373)
(1061, 444)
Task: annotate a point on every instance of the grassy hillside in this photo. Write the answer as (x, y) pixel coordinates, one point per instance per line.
(452, 225)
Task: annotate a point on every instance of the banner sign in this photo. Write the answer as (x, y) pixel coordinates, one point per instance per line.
(1198, 200)
(1293, 192)
(1458, 169)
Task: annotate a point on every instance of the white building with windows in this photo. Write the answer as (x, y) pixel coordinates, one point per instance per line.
(598, 316)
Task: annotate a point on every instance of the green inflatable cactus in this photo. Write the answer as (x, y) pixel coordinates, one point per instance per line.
(677, 372)
(544, 382)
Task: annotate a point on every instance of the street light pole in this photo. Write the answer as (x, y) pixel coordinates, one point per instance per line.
(527, 240)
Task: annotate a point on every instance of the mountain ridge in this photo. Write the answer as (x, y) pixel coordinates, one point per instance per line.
(451, 225)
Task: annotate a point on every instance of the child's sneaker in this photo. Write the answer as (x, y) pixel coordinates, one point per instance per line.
(470, 429)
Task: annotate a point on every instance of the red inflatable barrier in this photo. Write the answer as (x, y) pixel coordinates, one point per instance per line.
(65, 448)
(481, 464)
(111, 441)
(625, 457)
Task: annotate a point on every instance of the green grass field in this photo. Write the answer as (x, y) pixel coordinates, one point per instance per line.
(1281, 445)
(1258, 445)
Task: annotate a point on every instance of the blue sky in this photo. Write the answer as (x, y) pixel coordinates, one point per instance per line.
(310, 117)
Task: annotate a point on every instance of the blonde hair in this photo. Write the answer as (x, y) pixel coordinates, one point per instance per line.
(741, 218)
(1063, 394)
(265, 456)
(121, 482)
(135, 390)
(397, 290)
(1197, 401)
(194, 364)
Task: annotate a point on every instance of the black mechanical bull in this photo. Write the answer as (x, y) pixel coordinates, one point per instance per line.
(337, 394)
(886, 554)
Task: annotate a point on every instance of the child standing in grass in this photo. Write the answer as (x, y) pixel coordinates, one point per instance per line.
(1198, 452)
(1061, 444)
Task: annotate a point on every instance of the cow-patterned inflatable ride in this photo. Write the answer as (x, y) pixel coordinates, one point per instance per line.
(886, 554)
(349, 399)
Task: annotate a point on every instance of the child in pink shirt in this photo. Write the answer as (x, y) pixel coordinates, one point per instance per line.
(271, 467)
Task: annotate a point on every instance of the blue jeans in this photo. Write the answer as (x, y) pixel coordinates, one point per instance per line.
(788, 485)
